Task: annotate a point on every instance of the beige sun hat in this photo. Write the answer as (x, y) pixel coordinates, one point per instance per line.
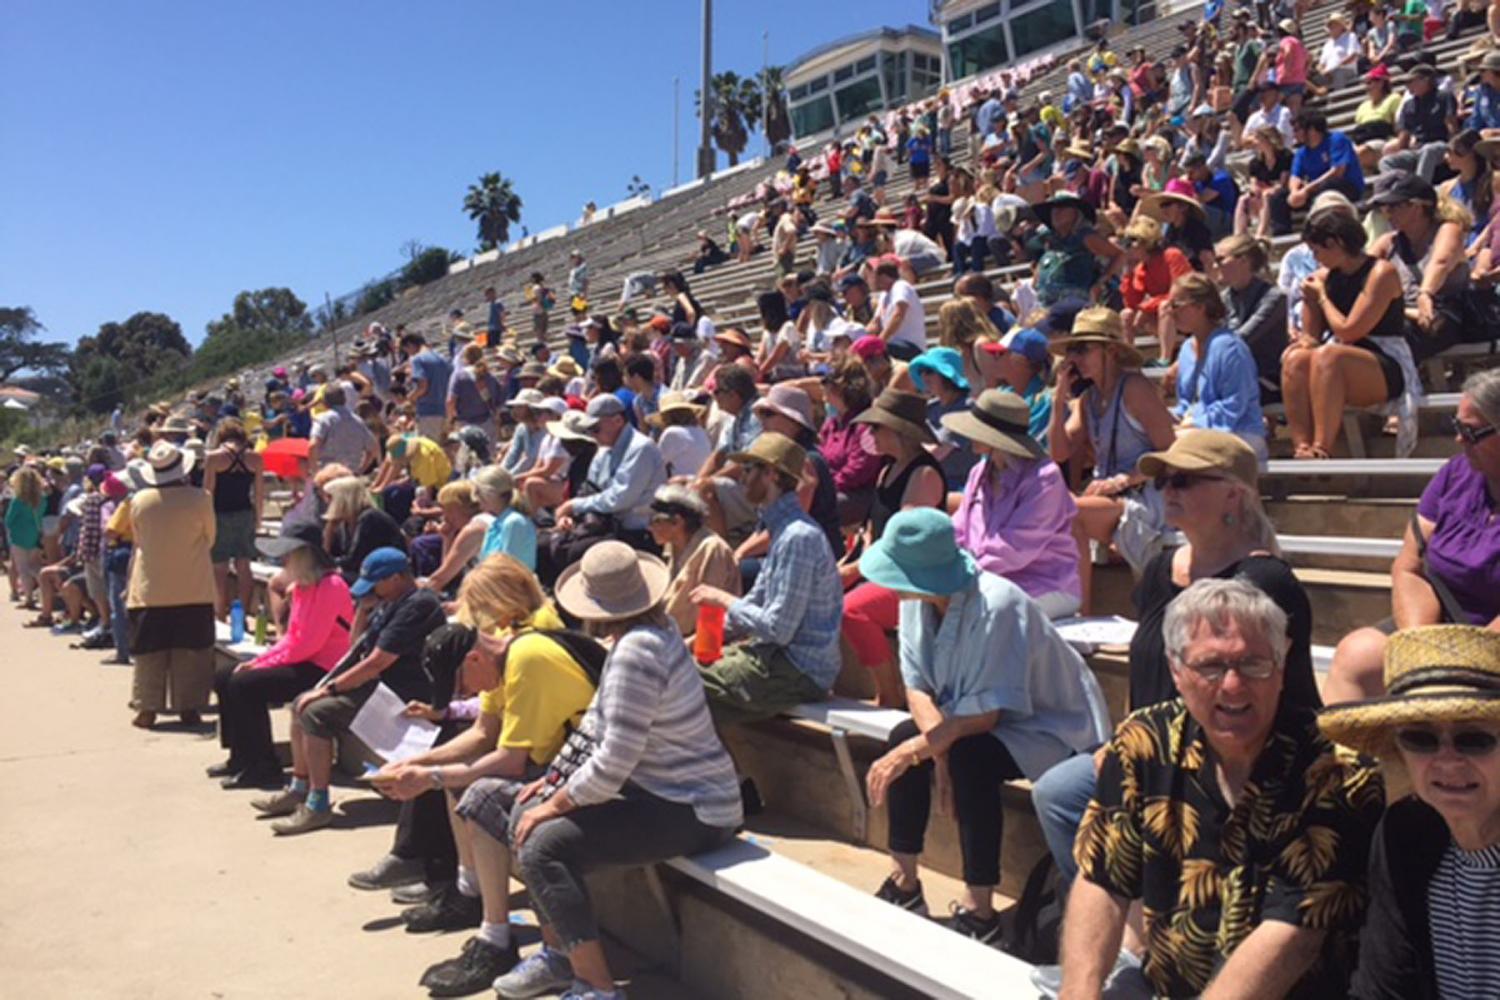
(165, 463)
(612, 581)
(998, 419)
(571, 426)
(1098, 325)
(675, 401)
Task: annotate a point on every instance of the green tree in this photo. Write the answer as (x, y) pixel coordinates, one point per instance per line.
(493, 205)
(778, 123)
(429, 265)
(19, 349)
(736, 111)
(270, 312)
(122, 358)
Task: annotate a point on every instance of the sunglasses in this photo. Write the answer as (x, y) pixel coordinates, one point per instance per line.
(1183, 480)
(1213, 671)
(1471, 435)
(1077, 350)
(1465, 742)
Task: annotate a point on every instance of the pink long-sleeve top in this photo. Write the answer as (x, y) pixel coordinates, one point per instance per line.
(849, 450)
(317, 630)
(1021, 529)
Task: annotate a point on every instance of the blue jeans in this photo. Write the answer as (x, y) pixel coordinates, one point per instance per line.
(1061, 796)
(969, 256)
(117, 568)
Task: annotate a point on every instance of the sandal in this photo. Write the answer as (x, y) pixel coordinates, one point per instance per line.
(1317, 451)
(144, 720)
(40, 621)
(1302, 451)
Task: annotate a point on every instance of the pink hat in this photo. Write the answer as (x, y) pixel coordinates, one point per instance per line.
(1182, 186)
(298, 395)
(279, 372)
(869, 346)
(113, 487)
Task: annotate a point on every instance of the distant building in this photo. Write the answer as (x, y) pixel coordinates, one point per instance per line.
(844, 82)
(981, 35)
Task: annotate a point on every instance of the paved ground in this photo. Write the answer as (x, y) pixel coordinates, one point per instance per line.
(125, 873)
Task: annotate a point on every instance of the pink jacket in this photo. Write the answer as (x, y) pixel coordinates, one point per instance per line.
(317, 631)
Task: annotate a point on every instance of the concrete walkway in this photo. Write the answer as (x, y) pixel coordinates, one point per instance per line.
(126, 873)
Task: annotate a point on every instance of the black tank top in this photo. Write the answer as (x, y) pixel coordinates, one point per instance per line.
(888, 494)
(234, 487)
(1343, 291)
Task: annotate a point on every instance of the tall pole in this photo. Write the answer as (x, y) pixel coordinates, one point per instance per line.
(333, 327)
(706, 101)
(676, 139)
(765, 92)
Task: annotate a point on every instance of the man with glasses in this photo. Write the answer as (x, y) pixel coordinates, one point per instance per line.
(719, 482)
(1241, 831)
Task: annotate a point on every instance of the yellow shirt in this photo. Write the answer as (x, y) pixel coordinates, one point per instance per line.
(543, 692)
(119, 523)
(429, 463)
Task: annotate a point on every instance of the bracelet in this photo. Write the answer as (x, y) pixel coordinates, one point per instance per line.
(436, 777)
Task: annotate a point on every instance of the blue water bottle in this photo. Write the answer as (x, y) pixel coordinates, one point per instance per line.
(236, 622)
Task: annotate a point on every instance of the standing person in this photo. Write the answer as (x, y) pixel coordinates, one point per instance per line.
(341, 437)
(170, 598)
(495, 320)
(578, 276)
(23, 530)
(474, 395)
(428, 390)
(542, 301)
(232, 475)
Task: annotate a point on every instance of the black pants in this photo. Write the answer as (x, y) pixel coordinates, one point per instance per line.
(978, 765)
(422, 829)
(557, 550)
(245, 701)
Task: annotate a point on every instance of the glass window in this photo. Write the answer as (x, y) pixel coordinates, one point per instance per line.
(865, 65)
(843, 73)
(960, 23)
(797, 93)
(818, 85)
(895, 76)
(988, 13)
(1046, 25)
(926, 79)
(812, 117)
(978, 52)
(859, 98)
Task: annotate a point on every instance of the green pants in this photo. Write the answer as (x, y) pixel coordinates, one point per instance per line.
(754, 682)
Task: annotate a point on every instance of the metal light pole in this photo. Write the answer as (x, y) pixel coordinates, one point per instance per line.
(765, 92)
(676, 139)
(706, 100)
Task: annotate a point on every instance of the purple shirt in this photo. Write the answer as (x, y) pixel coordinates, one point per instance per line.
(849, 449)
(1022, 530)
(1464, 548)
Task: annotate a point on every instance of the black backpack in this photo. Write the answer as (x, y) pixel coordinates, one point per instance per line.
(1034, 928)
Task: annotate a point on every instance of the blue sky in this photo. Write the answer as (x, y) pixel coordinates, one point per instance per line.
(165, 156)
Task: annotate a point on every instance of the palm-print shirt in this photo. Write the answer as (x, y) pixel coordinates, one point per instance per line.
(1293, 848)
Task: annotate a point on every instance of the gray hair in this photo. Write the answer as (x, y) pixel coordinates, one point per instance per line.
(494, 482)
(1483, 390)
(1219, 602)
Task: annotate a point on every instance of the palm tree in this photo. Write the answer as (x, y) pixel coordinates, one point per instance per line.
(736, 112)
(778, 123)
(494, 206)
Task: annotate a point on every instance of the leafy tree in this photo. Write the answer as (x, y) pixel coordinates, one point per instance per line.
(98, 384)
(493, 205)
(375, 295)
(736, 111)
(269, 312)
(429, 265)
(122, 357)
(19, 349)
(778, 123)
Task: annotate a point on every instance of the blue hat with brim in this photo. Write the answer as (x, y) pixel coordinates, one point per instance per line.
(917, 554)
(382, 564)
(944, 361)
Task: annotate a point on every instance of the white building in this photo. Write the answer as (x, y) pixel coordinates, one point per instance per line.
(838, 85)
(980, 35)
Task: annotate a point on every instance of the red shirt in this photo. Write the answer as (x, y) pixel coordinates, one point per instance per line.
(1147, 285)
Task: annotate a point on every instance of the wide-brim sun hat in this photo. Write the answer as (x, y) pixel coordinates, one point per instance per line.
(775, 450)
(1433, 674)
(903, 412)
(944, 361)
(1044, 210)
(1098, 325)
(918, 554)
(674, 402)
(1152, 204)
(1204, 450)
(572, 426)
(612, 581)
(304, 535)
(166, 463)
(998, 419)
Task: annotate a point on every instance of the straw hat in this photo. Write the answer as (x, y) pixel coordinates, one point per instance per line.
(1433, 673)
(612, 581)
(735, 338)
(572, 426)
(565, 368)
(998, 419)
(1076, 150)
(1152, 204)
(776, 450)
(1129, 147)
(886, 218)
(527, 398)
(1099, 325)
(1204, 451)
(165, 463)
(674, 402)
(903, 412)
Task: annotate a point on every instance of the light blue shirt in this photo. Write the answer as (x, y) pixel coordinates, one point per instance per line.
(627, 475)
(736, 435)
(1223, 394)
(994, 649)
(512, 533)
(797, 601)
(521, 455)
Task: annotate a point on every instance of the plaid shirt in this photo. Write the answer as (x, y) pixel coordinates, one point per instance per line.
(91, 531)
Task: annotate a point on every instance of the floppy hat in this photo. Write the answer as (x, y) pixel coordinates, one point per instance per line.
(554, 405)
(1152, 204)
(166, 463)
(528, 398)
(1490, 62)
(571, 426)
(998, 419)
(1204, 450)
(533, 369)
(1287, 25)
(736, 338)
(776, 450)
(917, 554)
(788, 401)
(565, 367)
(1433, 673)
(1098, 325)
(302, 535)
(886, 218)
(612, 581)
(382, 564)
(1045, 209)
(508, 355)
(903, 412)
(944, 361)
(674, 402)
(1077, 150)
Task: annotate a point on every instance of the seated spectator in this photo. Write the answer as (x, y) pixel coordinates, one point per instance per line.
(510, 531)
(571, 433)
(899, 319)
(1150, 269)
(1472, 184)
(777, 358)
(1227, 749)
(938, 374)
(1020, 363)
(846, 443)
(1256, 308)
(719, 481)
(1184, 222)
(1338, 60)
(691, 364)
(694, 554)
(1324, 161)
(1447, 570)
(1015, 516)
(389, 652)
(1350, 305)
(640, 379)
(996, 695)
(1216, 192)
(644, 778)
(1067, 250)
(1427, 120)
(1375, 118)
(530, 429)
(1217, 384)
(315, 640)
(354, 527)
(684, 443)
(961, 325)
(1426, 247)
(1433, 908)
(1271, 113)
(783, 635)
(420, 458)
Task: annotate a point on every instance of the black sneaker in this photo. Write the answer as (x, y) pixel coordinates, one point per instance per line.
(224, 769)
(450, 910)
(415, 893)
(964, 922)
(472, 971)
(893, 893)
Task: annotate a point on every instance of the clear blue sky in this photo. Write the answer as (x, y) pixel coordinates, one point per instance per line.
(164, 156)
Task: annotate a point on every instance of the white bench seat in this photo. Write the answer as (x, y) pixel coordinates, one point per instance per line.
(1335, 545)
(1355, 466)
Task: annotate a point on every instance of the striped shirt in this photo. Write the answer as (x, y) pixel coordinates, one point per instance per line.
(651, 727)
(1463, 903)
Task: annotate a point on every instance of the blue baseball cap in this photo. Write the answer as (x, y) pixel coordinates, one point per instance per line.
(1031, 344)
(382, 564)
(944, 361)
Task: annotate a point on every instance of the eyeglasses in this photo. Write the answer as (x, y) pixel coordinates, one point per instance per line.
(1471, 435)
(1465, 742)
(1213, 671)
(1183, 480)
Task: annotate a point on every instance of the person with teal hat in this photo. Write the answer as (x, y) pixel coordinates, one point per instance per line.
(938, 374)
(995, 694)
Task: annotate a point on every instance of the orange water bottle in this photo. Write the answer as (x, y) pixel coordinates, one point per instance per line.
(708, 636)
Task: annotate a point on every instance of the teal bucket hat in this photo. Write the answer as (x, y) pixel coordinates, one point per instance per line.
(944, 361)
(917, 554)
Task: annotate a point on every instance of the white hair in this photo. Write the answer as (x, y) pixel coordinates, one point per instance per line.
(1220, 602)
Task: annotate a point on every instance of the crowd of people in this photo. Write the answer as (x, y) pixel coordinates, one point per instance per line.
(531, 550)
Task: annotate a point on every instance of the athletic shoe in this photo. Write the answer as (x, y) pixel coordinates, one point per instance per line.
(388, 873)
(892, 893)
(962, 921)
(415, 893)
(472, 972)
(67, 628)
(546, 971)
(304, 820)
(448, 910)
(283, 803)
(581, 991)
